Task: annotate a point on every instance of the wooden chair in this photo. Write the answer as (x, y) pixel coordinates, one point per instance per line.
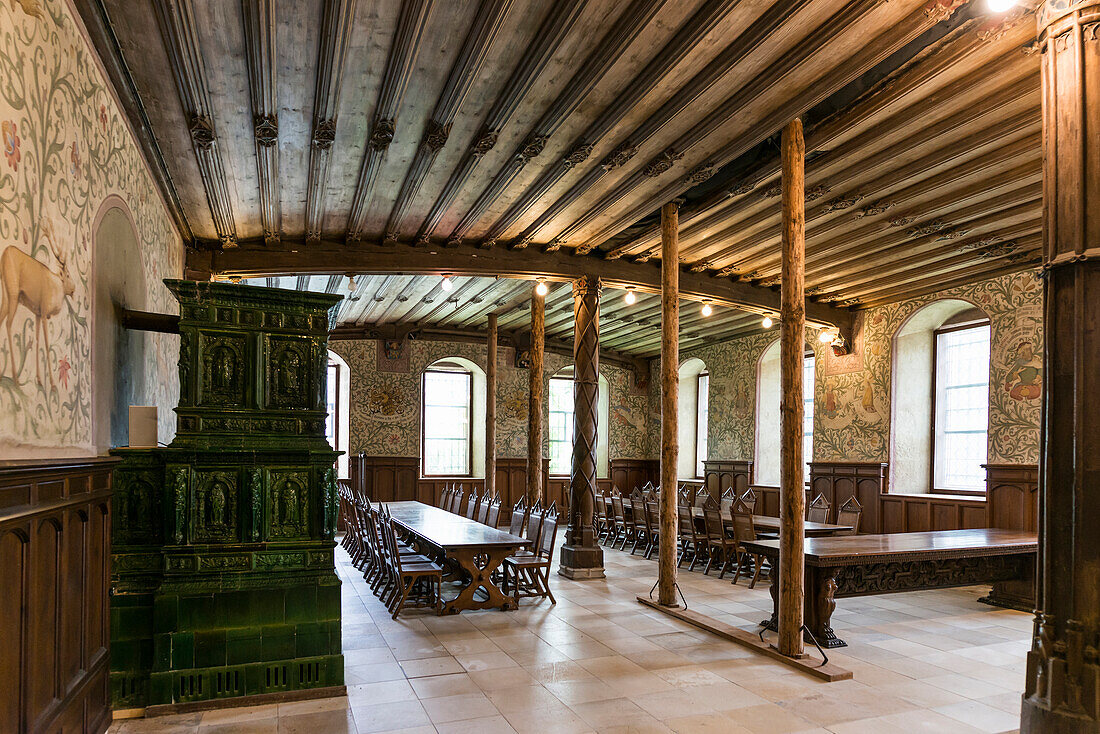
(413, 575)
(445, 497)
(456, 500)
(690, 543)
(519, 518)
(639, 524)
(849, 513)
(818, 510)
(608, 531)
(720, 547)
(599, 515)
(653, 521)
(744, 531)
(534, 527)
(528, 574)
(623, 530)
(748, 499)
(483, 511)
(472, 505)
(726, 503)
(492, 515)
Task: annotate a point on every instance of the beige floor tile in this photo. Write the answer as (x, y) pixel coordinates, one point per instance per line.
(458, 708)
(236, 715)
(330, 722)
(254, 726)
(485, 725)
(980, 716)
(769, 719)
(437, 686)
(485, 660)
(705, 724)
(390, 716)
(431, 666)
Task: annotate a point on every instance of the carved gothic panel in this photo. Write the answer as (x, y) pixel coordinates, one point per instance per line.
(288, 504)
(214, 507)
(224, 361)
(289, 373)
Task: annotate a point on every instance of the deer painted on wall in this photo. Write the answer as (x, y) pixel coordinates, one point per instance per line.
(27, 281)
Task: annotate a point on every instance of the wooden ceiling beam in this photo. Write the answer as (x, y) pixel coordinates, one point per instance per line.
(606, 51)
(553, 30)
(412, 291)
(328, 257)
(487, 292)
(400, 64)
(865, 58)
(686, 39)
(260, 50)
(938, 284)
(486, 26)
(337, 19)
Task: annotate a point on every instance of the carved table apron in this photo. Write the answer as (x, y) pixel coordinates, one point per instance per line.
(863, 565)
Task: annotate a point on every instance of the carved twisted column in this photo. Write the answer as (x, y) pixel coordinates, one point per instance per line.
(581, 555)
(491, 408)
(792, 345)
(670, 385)
(534, 399)
(1062, 692)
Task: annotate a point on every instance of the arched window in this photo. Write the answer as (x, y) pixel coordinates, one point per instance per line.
(452, 408)
(561, 417)
(941, 400)
(337, 401)
(766, 459)
(692, 415)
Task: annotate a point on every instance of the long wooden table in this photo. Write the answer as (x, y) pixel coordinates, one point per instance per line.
(763, 523)
(862, 565)
(470, 550)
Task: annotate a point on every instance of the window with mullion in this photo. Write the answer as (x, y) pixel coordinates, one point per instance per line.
(446, 429)
(961, 417)
(560, 432)
(702, 407)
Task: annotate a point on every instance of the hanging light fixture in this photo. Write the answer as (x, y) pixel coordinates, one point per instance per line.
(542, 289)
(630, 298)
(706, 310)
(351, 284)
(826, 337)
(1000, 6)
(767, 322)
(447, 285)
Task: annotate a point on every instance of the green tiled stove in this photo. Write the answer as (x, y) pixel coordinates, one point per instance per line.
(223, 582)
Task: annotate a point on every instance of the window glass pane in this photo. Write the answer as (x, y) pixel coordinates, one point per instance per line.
(561, 425)
(702, 406)
(446, 427)
(331, 387)
(962, 408)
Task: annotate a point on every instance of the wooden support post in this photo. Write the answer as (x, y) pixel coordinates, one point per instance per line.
(792, 348)
(670, 384)
(1062, 684)
(491, 408)
(581, 555)
(534, 402)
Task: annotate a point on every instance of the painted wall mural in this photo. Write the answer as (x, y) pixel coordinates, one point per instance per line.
(385, 406)
(67, 150)
(852, 393)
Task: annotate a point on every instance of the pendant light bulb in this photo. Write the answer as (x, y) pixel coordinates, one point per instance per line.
(706, 310)
(826, 337)
(446, 285)
(542, 289)
(1000, 6)
(630, 298)
(767, 322)
(351, 284)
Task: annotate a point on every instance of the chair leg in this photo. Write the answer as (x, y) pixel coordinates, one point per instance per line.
(756, 574)
(739, 562)
(725, 562)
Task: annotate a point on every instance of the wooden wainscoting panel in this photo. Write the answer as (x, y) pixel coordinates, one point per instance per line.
(840, 480)
(54, 621)
(1012, 496)
(626, 474)
(721, 475)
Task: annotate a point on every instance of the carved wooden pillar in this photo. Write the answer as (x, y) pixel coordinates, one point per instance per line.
(1062, 692)
(534, 401)
(491, 408)
(670, 384)
(581, 555)
(792, 348)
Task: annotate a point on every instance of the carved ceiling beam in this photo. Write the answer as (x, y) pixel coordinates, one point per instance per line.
(516, 293)
(404, 296)
(329, 257)
(683, 42)
(475, 49)
(939, 283)
(353, 303)
(337, 19)
(843, 187)
(260, 52)
(374, 298)
(606, 51)
(553, 30)
(395, 81)
(695, 328)
(448, 300)
(179, 32)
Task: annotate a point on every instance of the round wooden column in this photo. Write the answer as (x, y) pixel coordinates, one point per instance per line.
(581, 555)
(491, 408)
(534, 399)
(1062, 691)
(792, 347)
(670, 385)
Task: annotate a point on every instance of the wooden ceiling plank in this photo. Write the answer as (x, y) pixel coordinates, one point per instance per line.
(555, 27)
(475, 49)
(479, 302)
(376, 297)
(413, 290)
(865, 58)
(353, 303)
(400, 65)
(940, 284)
(606, 52)
(180, 36)
(336, 25)
(511, 294)
(260, 48)
(687, 38)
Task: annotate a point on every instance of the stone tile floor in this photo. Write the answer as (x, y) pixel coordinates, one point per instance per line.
(934, 661)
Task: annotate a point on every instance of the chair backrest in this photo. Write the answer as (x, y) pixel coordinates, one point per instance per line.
(456, 500)
(637, 494)
(471, 506)
(749, 500)
(545, 547)
(519, 518)
(849, 513)
(492, 517)
(686, 521)
(743, 528)
(617, 507)
(818, 510)
(712, 519)
(534, 527)
(483, 511)
(653, 516)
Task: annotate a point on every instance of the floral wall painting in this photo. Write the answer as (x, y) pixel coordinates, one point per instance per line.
(67, 150)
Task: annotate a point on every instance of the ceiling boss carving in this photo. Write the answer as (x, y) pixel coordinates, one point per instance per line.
(578, 155)
(382, 134)
(202, 132)
(436, 134)
(661, 163)
(484, 143)
(324, 135)
(267, 130)
(619, 157)
(875, 208)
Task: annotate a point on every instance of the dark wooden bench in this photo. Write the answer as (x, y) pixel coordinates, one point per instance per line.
(862, 565)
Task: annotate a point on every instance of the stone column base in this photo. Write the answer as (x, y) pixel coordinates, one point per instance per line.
(581, 562)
